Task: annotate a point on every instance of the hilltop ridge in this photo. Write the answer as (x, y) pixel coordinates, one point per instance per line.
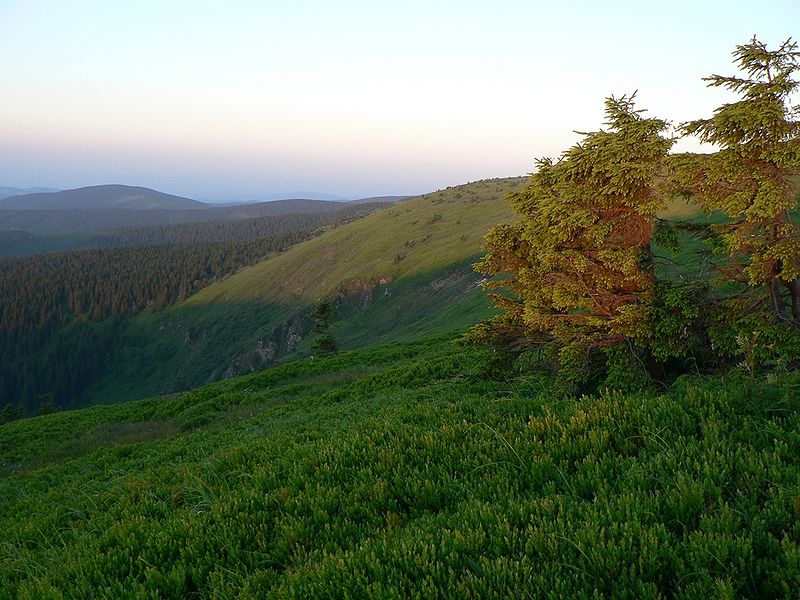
(100, 196)
(417, 235)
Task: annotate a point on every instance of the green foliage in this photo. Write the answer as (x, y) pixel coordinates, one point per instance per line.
(397, 472)
(757, 339)
(582, 269)
(625, 370)
(578, 264)
(10, 413)
(749, 178)
(324, 343)
(679, 320)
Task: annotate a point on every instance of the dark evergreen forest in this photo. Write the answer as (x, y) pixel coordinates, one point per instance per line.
(21, 243)
(60, 312)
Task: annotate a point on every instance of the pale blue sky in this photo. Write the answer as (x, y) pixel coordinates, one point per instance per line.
(231, 99)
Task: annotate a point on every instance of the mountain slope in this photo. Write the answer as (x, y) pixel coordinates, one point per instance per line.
(408, 471)
(414, 236)
(386, 199)
(396, 274)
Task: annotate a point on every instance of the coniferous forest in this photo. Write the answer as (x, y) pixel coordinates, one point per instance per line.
(59, 312)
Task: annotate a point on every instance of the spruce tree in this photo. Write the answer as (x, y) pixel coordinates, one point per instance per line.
(578, 264)
(749, 178)
(324, 343)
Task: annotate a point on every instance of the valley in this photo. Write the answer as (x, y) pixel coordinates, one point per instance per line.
(405, 270)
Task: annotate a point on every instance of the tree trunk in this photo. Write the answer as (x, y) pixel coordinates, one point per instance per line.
(794, 290)
(777, 299)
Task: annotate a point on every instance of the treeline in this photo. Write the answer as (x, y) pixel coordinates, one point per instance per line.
(227, 231)
(20, 243)
(46, 370)
(60, 313)
(49, 290)
(83, 220)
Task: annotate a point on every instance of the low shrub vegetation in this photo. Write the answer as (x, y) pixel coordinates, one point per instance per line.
(399, 472)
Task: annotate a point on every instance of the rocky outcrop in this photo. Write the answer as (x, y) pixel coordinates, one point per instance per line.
(282, 340)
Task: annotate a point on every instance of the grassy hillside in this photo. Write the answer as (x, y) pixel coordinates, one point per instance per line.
(412, 237)
(405, 471)
(400, 272)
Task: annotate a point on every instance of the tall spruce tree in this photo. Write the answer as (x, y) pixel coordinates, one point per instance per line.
(749, 178)
(578, 262)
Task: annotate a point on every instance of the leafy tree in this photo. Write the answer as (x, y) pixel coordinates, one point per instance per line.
(749, 178)
(578, 262)
(325, 343)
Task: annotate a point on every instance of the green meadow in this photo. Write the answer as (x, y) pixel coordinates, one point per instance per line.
(408, 470)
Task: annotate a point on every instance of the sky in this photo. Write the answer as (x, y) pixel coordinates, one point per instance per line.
(238, 99)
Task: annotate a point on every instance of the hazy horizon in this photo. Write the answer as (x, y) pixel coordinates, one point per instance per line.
(352, 99)
(242, 198)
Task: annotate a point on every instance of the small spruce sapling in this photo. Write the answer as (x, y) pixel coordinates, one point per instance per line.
(324, 344)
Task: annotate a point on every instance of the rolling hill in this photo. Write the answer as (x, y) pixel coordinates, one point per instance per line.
(396, 274)
(98, 197)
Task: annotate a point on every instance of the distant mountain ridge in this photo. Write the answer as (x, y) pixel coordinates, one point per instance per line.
(6, 191)
(101, 197)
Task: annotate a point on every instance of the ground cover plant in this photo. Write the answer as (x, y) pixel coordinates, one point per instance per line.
(405, 472)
